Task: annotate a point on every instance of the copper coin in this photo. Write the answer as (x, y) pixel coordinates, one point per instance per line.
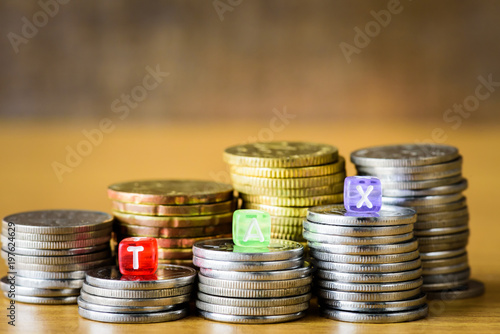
(173, 232)
(173, 221)
(175, 210)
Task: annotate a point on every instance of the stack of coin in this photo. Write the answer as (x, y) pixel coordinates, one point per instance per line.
(47, 253)
(252, 285)
(107, 296)
(284, 179)
(428, 178)
(368, 266)
(175, 212)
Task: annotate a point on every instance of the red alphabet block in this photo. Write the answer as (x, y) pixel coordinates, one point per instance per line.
(138, 256)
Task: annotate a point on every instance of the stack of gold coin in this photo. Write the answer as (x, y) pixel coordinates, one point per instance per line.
(284, 179)
(177, 213)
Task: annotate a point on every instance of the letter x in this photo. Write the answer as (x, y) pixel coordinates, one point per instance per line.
(364, 197)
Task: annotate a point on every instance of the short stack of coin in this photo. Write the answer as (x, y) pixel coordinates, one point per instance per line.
(47, 253)
(175, 212)
(284, 179)
(368, 266)
(108, 296)
(428, 178)
(245, 285)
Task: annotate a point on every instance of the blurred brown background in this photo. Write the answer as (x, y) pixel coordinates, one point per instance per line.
(245, 58)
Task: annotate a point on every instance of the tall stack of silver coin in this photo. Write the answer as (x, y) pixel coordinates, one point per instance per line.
(47, 253)
(368, 265)
(428, 178)
(107, 296)
(245, 285)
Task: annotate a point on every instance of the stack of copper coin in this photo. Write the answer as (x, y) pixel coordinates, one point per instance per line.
(177, 213)
(284, 179)
(47, 253)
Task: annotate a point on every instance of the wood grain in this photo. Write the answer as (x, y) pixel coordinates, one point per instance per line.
(194, 151)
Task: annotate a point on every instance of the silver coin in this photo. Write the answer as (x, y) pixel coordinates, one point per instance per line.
(425, 184)
(50, 275)
(57, 260)
(444, 223)
(378, 318)
(261, 293)
(58, 237)
(445, 278)
(442, 254)
(370, 277)
(166, 276)
(443, 286)
(6, 285)
(421, 200)
(341, 240)
(253, 311)
(41, 300)
(369, 287)
(133, 318)
(48, 283)
(364, 259)
(445, 215)
(407, 155)
(375, 307)
(111, 301)
(64, 267)
(357, 231)
(368, 268)
(336, 214)
(472, 289)
(367, 296)
(260, 285)
(449, 238)
(442, 190)
(403, 247)
(460, 204)
(424, 169)
(440, 231)
(59, 244)
(254, 302)
(226, 250)
(445, 269)
(125, 309)
(138, 294)
(409, 177)
(58, 252)
(248, 266)
(58, 221)
(445, 246)
(247, 319)
(289, 274)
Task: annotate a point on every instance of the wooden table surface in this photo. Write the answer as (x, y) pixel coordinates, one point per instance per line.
(145, 151)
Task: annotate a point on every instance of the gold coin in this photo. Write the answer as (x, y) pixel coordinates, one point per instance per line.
(294, 201)
(286, 221)
(175, 254)
(172, 221)
(173, 232)
(173, 192)
(277, 210)
(281, 154)
(178, 242)
(281, 229)
(333, 188)
(294, 237)
(175, 210)
(303, 182)
(283, 173)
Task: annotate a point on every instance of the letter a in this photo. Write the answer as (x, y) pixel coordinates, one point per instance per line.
(249, 234)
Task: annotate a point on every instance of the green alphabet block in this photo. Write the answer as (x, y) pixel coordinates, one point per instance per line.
(251, 228)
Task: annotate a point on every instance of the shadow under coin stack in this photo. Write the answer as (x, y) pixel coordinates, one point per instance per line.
(49, 252)
(428, 178)
(241, 285)
(368, 266)
(109, 296)
(284, 179)
(175, 212)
